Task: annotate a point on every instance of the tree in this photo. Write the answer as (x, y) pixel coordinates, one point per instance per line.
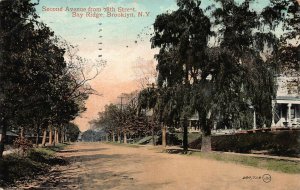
(145, 72)
(108, 120)
(241, 81)
(225, 81)
(26, 69)
(251, 37)
(72, 132)
(285, 15)
(91, 136)
(182, 37)
(39, 86)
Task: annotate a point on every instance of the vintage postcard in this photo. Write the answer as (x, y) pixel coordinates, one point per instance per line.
(150, 94)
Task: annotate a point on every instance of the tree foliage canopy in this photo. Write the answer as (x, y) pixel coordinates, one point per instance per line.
(220, 61)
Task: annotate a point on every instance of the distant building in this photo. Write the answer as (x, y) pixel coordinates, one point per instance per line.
(79, 138)
(10, 136)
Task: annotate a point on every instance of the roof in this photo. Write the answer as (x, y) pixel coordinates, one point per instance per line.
(194, 117)
(9, 133)
(293, 98)
(287, 100)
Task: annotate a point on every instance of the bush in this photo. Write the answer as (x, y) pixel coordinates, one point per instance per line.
(23, 144)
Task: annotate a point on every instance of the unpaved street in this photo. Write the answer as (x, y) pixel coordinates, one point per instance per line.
(104, 166)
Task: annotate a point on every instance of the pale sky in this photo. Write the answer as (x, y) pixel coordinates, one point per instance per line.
(119, 48)
(118, 44)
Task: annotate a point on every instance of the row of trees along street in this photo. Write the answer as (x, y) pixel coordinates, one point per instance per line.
(43, 83)
(123, 121)
(220, 62)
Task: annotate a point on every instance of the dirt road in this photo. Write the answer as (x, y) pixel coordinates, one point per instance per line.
(103, 166)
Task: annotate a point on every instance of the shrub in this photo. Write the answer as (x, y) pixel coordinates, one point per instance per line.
(23, 145)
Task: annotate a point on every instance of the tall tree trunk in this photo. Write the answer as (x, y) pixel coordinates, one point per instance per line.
(106, 137)
(153, 140)
(3, 138)
(50, 136)
(185, 135)
(37, 135)
(164, 135)
(22, 132)
(206, 143)
(62, 134)
(153, 132)
(113, 137)
(125, 137)
(119, 137)
(44, 136)
(65, 137)
(56, 136)
(206, 136)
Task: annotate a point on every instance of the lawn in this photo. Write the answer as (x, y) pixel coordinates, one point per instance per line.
(284, 166)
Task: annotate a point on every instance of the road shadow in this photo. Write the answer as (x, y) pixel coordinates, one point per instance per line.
(82, 150)
(95, 171)
(86, 158)
(86, 176)
(174, 151)
(55, 180)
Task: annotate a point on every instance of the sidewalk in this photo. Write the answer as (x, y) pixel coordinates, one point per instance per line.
(292, 159)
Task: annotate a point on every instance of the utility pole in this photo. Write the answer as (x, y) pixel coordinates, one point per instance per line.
(119, 135)
(121, 98)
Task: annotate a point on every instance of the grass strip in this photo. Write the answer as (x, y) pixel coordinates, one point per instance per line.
(284, 166)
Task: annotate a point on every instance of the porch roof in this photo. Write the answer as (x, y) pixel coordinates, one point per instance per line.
(288, 99)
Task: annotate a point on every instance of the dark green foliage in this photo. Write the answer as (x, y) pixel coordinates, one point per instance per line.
(72, 131)
(172, 139)
(241, 77)
(37, 86)
(91, 136)
(182, 37)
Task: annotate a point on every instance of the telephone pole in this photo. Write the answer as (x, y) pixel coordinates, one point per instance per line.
(121, 106)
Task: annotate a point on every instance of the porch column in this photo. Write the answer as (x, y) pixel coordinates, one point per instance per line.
(273, 114)
(215, 126)
(289, 115)
(296, 118)
(254, 119)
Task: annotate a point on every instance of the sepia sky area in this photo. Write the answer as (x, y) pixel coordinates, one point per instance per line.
(121, 47)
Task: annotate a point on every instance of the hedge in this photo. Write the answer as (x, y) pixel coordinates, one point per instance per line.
(276, 142)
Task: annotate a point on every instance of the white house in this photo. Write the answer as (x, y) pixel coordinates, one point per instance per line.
(286, 106)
